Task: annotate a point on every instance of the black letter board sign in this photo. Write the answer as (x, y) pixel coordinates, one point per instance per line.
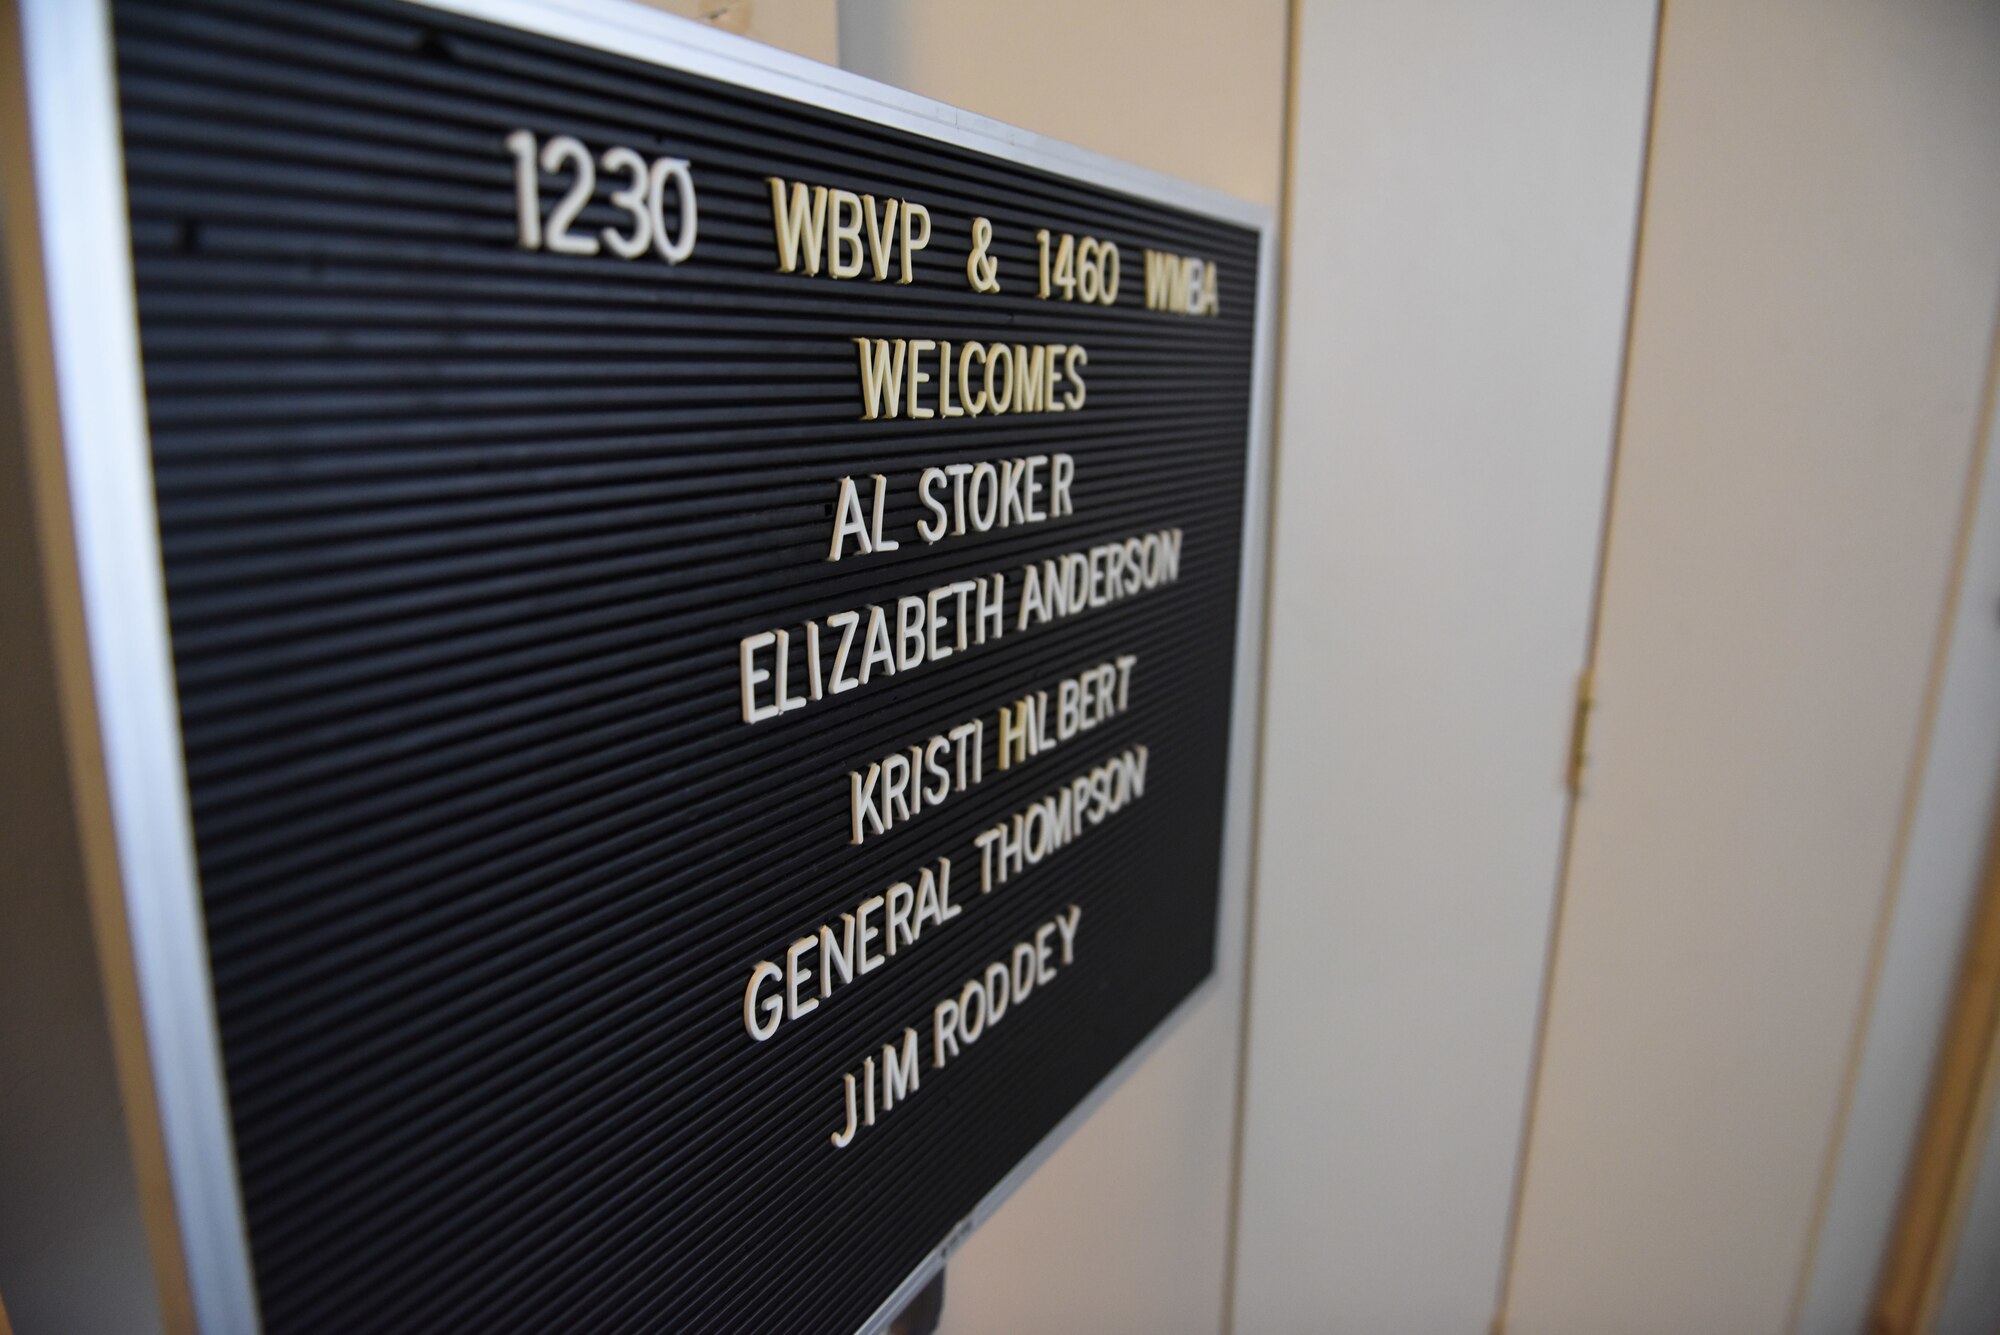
(696, 721)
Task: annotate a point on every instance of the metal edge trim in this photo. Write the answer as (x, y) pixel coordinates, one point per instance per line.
(100, 402)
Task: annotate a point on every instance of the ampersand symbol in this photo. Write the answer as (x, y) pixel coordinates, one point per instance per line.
(982, 270)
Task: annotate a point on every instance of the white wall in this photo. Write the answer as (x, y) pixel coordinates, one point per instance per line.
(1126, 1228)
(1462, 219)
(1193, 88)
(1815, 308)
(809, 28)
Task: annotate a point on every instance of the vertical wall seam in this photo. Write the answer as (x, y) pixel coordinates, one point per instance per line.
(1544, 1005)
(1885, 919)
(1240, 1106)
(1973, 1014)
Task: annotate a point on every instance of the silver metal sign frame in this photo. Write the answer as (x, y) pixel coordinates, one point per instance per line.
(94, 387)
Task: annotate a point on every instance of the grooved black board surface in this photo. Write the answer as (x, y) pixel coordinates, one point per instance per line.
(460, 544)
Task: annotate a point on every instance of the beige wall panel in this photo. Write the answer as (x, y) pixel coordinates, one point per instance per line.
(1462, 218)
(809, 28)
(1816, 298)
(1126, 1227)
(1193, 88)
